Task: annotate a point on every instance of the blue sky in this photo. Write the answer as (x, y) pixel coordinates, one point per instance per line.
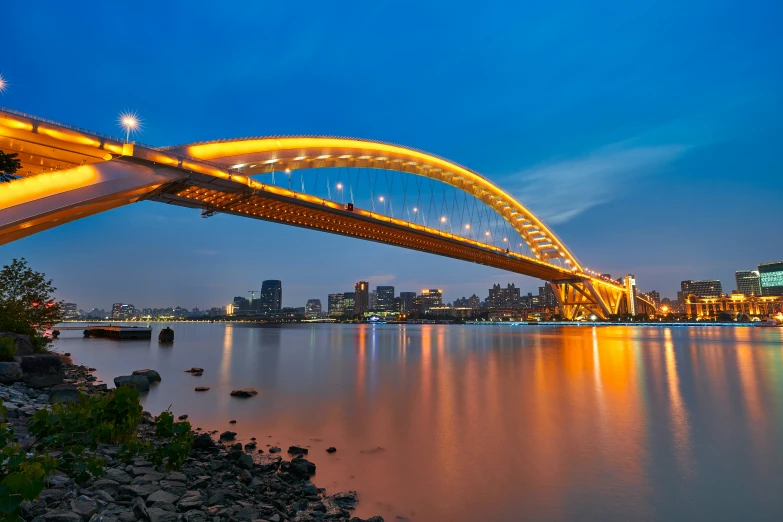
(647, 134)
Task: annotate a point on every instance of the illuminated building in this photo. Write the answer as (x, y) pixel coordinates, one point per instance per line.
(771, 276)
(429, 298)
(361, 302)
(503, 297)
(373, 300)
(123, 311)
(546, 296)
(384, 298)
(407, 302)
(313, 309)
(335, 305)
(70, 311)
(630, 293)
(349, 303)
(696, 306)
(471, 303)
(702, 288)
(271, 298)
(748, 282)
(655, 297)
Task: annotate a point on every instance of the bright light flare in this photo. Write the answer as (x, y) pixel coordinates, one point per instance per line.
(131, 123)
(381, 199)
(3, 84)
(339, 186)
(443, 219)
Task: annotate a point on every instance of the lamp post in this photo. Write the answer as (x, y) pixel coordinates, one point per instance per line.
(130, 122)
(3, 84)
(340, 188)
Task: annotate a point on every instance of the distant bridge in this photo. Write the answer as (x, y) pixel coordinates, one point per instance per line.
(69, 173)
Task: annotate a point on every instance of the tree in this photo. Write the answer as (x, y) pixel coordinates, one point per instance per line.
(26, 302)
(9, 164)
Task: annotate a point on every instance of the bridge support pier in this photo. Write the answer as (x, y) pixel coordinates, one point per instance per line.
(578, 299)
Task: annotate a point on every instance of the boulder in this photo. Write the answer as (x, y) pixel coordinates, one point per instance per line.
(140, 382)
(10, 372)
(63, 393)
(84, 508)
(297, 450)
(245, 392)
(117, 475)
(203, 441)
(195, 370)
(245, 461)
(228, 435)
(23, 344)
(42, 363)
(301, 468)
(331, 449)
(151, 375)
(162, 496)
(202, 388)
(42, 381)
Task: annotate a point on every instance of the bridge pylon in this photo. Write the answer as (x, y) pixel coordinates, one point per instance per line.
(581, 297)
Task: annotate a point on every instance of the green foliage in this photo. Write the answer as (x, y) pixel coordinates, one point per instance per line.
(7, 348)
(26, 302)
(9, 164)
(178, 441)
(22, 478)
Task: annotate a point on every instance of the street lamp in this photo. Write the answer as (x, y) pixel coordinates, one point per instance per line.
(3, 84)
(131, 123)
(340, 188)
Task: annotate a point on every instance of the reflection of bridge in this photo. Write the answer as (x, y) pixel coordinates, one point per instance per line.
(70, 173)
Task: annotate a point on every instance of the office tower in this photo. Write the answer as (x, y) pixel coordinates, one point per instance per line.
(271, 298)
(546, 296)
(349, 303)
(407, 302)
(335, 304)
(361, 303)
(748, 282)
(701, 288)
(771, 276)
(70, 311)
(313, 308)
(384, 298)
(429, 298)
(123, 311)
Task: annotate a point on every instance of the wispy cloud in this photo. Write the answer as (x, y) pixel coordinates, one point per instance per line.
(380, 279)
(559, 191)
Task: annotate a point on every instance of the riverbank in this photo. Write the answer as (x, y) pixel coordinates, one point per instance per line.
(220, 481)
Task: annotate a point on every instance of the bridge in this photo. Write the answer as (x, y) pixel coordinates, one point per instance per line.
(323, 183)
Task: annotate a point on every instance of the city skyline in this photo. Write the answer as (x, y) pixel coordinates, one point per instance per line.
(522, 120)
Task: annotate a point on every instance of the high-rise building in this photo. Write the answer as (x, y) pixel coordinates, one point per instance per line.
(429, 298)
(361, 303)
(503, 297)
(771, 276)
(546, 296)
(123, 311)
(313, 308)
(407, 302)
(384, 298)
(655, 297)
(70, 311)
(335, 304)
(702, 288)
(349, 303)
(748, 282)
(373, 300)
(271, 298)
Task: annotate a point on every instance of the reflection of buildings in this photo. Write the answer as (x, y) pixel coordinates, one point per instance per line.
(712, 306)
(271, 299)
(771, 276)
(361, 302)
(748, 282)
(313, 309)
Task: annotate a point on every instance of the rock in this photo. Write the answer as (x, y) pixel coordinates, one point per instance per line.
(84, 508)
(228, 435)
(191, 500)
(138, 471)
(140, 382)
(104, 495)
(23, 344)
(245, 461)
(62, 516)
(301, 468)
(331, 449)
(10, 372)
(117, 475)
(42, 380)
(232, 422)
(165, 506)
(194, 516)
(63, 393)
(137, 490)
(297, 450)
(202, 388)
(203, 441)
(371, 519)
(151, 375)
(148, 478)
(176, 476)
(182, 417)
(160, 515)
(245, 392)
(251, 445)
(267, 463)
(107, 485)
(42, 363)
(274, 449)
(139, 508)
(162, 496)
(344, 500)
(195, 370)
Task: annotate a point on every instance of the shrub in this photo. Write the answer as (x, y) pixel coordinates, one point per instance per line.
(7, 348)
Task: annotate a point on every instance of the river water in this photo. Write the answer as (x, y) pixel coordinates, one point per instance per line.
(466, 423)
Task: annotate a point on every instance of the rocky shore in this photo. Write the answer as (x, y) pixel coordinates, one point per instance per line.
(220, 481)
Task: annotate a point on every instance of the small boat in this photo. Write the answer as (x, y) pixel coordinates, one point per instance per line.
(769, 323)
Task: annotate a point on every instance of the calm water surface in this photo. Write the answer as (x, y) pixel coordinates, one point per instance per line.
(469, 423)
